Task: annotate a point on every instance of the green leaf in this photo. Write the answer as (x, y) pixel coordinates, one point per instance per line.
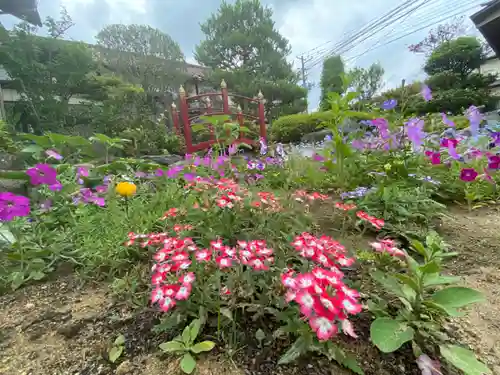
(204, 346)
(408, 281)
(298, 348)
(188, 363)
(419, 247)
(120, 340)
(464, 360)
(32, 149)
(115, 353)
(260, 335)
(186, 335)
(448, 310)
(17, 280)
(194, 329)
(6, 236)
(457, 296)
(388, 334)
(433, 279)
(431, 267)
(172, 346)
(36, 275)
(350, 362)
(388, 282)
(227, 313)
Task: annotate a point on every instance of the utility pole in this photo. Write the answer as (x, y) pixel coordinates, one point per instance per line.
(303, 62)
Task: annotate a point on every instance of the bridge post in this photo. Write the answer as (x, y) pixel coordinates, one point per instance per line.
(262, 116)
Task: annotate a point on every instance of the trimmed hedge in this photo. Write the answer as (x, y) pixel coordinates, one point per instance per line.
(290, 129)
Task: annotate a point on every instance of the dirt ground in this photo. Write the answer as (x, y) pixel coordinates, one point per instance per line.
(65, 328)
(476, 236)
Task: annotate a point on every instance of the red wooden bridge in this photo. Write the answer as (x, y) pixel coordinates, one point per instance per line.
(191, 108)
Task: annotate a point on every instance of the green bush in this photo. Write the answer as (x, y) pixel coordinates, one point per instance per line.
(290, 129)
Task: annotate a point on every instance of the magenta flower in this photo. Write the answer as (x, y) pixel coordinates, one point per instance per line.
(53, 154)
(189, 176)
(12, 206)
(426, 92)
(317, 157)
(434, 157)
(174, 171)
(42, 174)
(494, 162)
(81, 172)
(468, 174)
(389, 104)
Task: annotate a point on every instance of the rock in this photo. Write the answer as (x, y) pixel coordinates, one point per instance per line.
(70, 330)
(164, 159)
(124, 368)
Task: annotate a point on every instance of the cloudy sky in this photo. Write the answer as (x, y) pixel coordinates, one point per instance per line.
(313, 27)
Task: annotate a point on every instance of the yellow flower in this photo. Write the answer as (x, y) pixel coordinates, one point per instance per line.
(126, 189)
(387, 167)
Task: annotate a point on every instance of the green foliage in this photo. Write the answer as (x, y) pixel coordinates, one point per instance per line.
(290, 129)
(331, 79)
(185, 345)
(424, 298)
(243, 47)
(116, 349)
(461, 56)
(142, 55)
(366, 82)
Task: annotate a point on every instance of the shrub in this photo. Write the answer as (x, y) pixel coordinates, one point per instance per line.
(290, 129)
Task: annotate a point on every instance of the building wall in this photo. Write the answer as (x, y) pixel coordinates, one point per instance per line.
(491, 66)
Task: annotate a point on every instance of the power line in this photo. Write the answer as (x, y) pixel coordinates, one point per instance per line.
(368, 32)
(425, 20)
(414, 31)
(366, 26)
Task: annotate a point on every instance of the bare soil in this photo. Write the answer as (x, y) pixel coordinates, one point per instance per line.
(476, 236)
(63, 327)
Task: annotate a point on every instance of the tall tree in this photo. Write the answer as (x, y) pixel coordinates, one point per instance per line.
(47, 72)
(453, 77)
(367, 81)
(243, 46)
(460, 56)
(437, 36)
(142, 55)
(331, 79)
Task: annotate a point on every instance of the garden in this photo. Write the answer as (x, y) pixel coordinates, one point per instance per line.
(378, 255)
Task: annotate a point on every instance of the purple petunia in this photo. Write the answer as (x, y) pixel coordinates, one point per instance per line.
(12, 206)
(389, 104)
(426, 92)
(42, 174)
(494, 162)
(53, 154)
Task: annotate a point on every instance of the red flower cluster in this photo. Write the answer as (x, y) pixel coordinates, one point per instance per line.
(170, 278)
(388, 246)
(267, 200)
(345, 206)
(323, 297)
(377, 223)
(172, 212)
(323, 250)
(302, 195)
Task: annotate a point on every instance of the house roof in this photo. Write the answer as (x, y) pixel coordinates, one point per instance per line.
(24, 9)
(489, 7)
